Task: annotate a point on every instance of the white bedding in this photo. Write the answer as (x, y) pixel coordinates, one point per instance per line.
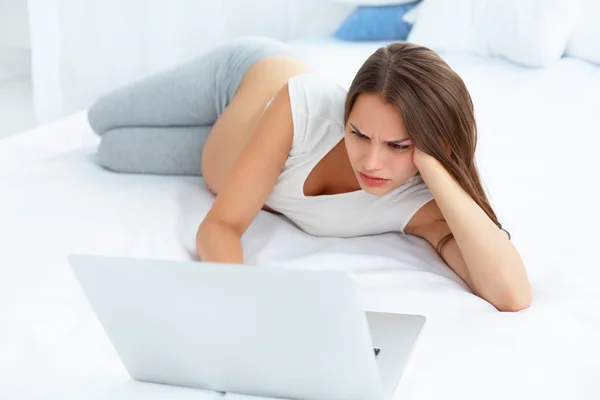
(538, 155)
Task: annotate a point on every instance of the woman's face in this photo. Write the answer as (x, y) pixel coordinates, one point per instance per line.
(378, 146)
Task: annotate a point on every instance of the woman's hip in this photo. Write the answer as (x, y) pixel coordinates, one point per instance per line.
(237, 57)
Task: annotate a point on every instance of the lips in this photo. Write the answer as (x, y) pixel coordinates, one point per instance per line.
(372, 177)
(372, 180)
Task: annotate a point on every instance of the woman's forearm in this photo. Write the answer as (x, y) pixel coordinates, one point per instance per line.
(218, 242)
(493, 262)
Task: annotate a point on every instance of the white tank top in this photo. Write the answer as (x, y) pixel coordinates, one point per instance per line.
(317, 105)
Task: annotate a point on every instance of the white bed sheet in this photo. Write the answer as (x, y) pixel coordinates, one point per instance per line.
(539, 136)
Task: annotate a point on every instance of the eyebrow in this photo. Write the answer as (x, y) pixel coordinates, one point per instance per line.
(392, 141)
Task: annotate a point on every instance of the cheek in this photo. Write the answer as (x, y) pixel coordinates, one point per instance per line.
(353, 149)
(403, 166)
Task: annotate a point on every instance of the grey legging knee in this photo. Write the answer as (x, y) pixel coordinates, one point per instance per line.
(159, 124)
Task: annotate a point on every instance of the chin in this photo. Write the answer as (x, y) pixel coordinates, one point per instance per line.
(376, 191)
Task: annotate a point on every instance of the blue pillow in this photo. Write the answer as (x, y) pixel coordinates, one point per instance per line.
(376, 23)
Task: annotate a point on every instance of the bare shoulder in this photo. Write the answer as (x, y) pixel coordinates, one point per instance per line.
(428, 214)
(428, 223)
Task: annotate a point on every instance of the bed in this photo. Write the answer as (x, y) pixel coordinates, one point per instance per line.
(537, 153)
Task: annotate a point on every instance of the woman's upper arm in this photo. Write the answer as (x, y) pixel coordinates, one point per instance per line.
(257, 169)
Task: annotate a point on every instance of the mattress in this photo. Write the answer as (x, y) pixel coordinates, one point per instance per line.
(537, 154)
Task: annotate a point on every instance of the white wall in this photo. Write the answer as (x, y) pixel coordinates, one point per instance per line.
(14, 26)
(14, 39)
(81, 49)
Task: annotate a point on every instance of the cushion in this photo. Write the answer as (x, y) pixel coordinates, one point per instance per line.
(584, 43)
(531, 33)
(379, 22)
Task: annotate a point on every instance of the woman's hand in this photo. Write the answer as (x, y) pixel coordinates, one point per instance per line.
(424, 161)
(418, 156)
(421, 159)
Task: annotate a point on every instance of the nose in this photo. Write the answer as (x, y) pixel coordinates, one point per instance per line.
(374, 159)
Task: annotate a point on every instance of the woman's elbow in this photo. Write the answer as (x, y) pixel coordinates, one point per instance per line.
(516, 295)
(515, 300)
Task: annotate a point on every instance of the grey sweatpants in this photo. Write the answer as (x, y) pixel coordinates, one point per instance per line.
(159, 124)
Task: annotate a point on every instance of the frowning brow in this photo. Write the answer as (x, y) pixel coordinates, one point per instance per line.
(392, 141)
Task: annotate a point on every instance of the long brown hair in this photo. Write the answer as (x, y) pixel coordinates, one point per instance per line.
(436, 107)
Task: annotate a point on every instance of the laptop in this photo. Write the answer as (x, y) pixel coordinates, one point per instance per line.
(253, 330)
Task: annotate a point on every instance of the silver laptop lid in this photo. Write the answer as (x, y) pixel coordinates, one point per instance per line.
(234, 328)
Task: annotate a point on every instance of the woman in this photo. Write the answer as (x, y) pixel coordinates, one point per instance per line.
(393, 153)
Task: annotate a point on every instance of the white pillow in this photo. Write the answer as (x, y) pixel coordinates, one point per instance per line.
(532, 33)
(411, 16)
(585, 41)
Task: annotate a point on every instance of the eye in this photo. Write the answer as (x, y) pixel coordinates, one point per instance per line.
(360, 135)
(397, 146)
